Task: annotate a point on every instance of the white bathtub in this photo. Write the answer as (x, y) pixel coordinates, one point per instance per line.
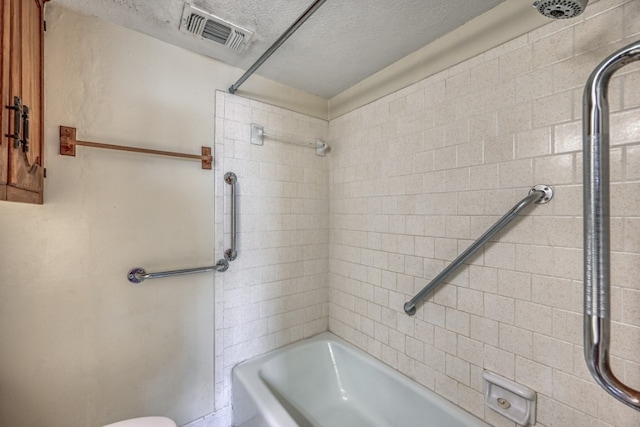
(326, 382)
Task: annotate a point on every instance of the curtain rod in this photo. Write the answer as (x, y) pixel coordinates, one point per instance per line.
(292, 29)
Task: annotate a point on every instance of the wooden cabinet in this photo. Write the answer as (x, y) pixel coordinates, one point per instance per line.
(21, 92)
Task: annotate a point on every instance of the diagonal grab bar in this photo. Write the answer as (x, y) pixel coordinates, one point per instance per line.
(539, 194)
(597, 249)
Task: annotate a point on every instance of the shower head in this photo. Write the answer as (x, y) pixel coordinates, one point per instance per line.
(560, 9)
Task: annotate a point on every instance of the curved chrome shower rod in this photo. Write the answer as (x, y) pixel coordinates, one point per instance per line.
(597, 248)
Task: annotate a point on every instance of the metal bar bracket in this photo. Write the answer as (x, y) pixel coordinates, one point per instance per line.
(258, 135)
(68, 143)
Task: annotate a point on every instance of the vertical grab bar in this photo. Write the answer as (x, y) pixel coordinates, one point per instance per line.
(597, 250)
(231, 179)
(139, 274)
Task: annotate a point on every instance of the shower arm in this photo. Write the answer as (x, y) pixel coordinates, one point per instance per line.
(597, 250)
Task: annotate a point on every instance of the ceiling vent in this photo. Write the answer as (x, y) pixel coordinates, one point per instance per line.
(209, 27)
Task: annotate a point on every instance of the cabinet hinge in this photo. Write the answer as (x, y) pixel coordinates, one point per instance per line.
(45, 172)
(44, 25)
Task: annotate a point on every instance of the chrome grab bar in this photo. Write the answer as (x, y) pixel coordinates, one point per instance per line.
(597, 250)
(231, 179)
(539, 194)
(139, 274)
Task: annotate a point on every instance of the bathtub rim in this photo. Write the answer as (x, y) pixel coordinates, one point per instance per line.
(265, 401)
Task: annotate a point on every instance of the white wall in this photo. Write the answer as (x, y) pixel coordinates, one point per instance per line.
(418, 175)
(80, 345)
(276, 292)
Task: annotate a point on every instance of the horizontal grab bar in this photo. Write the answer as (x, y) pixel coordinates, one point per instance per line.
(139, 274)
(539, 194)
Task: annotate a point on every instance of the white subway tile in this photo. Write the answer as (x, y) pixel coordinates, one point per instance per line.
(457, 321)
(631, 25)
(446, 387)
(567, 326)
(576, 393)
(434, 314)
(633, 162)
(534, 317)
(514, 284)
(434, 358)
(471, 301)
(607, 26)
(471, 400)
(500, 362)
(568, 137)
(458, 369)
(515, 340)
(470, 350)
(616, 413)
(533, 143)
(516, 63)
(553, 109)
(446, 341)
(552, 352)
(425, 375)
(499, 308)
(500, 255)
(516, 173)
(534, 375)
(516, 118)
(554, 48)
(484, 330)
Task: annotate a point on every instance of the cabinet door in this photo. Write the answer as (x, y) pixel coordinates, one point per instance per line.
(5, 91)
(26, 177)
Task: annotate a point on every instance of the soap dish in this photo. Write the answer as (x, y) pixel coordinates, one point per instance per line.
(511, 400)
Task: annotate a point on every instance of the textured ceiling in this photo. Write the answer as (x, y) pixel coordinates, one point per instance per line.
(344, 42)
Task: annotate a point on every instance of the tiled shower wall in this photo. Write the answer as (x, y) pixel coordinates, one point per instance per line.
(418, 175)
(276, 291)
